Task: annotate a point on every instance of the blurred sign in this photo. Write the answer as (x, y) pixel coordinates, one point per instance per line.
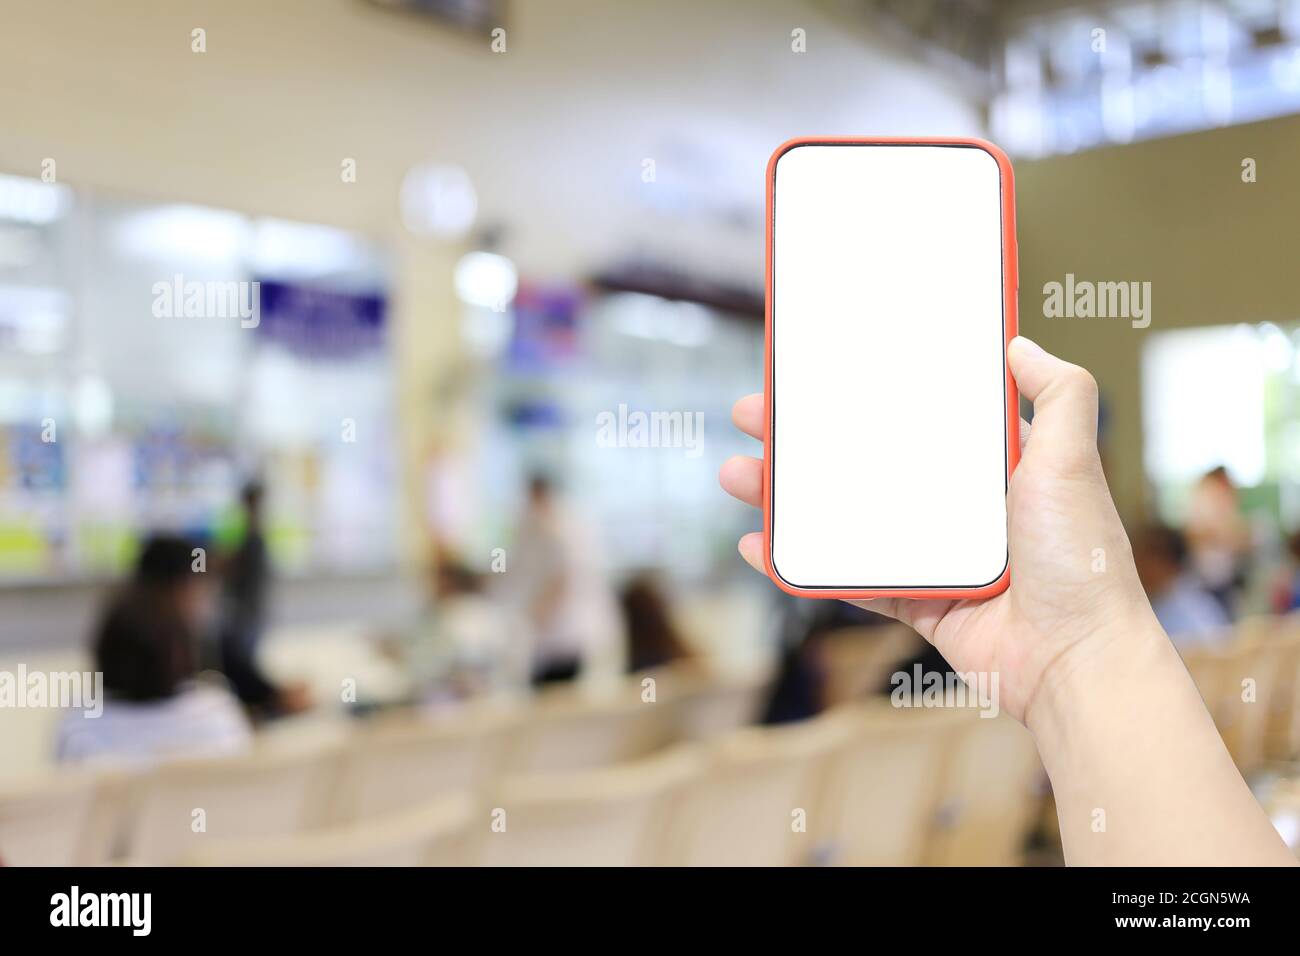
(546, 325)
(318, 323)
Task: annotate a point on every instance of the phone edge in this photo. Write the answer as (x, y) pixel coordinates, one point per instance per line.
(1011, 317)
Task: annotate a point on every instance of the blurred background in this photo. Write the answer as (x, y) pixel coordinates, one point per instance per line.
(366, 367)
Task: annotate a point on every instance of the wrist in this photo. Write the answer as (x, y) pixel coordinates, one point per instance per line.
(1096, 677)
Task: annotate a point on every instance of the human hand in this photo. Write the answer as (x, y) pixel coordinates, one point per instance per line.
(1074, 589)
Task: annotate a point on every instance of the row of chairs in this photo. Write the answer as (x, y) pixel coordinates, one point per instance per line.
(865, 785)
(1251, 687)
(860, 785)
(384, 765)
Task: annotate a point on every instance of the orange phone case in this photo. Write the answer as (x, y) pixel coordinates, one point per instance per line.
(1010, 291)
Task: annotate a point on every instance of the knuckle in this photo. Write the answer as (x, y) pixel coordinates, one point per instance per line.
(1080, 380)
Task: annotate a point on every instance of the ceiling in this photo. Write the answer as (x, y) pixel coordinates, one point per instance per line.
(554, 132)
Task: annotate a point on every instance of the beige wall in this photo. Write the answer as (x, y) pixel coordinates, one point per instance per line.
(287, 89)
(1173, 212)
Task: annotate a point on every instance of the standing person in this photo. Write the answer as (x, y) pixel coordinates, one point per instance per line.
(244, 605)
(558, 580)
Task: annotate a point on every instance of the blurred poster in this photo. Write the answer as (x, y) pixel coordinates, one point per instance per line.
(319, 323)
(546, 326)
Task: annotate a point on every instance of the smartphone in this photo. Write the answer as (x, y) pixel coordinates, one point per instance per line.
(892, 418)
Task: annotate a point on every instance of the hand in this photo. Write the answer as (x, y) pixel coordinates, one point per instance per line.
(294, 698)
(1080, 656)
(1072, 573)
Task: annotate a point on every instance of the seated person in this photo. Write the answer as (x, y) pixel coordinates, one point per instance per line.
(145, 647)
(652, 636)
(464, 642)
(1185, 608)
(1286, 590)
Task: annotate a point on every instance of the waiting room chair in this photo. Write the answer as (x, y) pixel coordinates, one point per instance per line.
(706, 705)
(1282, 735)
(398, 764)
(612, 816)
(757, 803)
(990, 792)
(179, 806)
(43, 820)
(577, 730)
(884, 784)
(859, 660)
(435, 834)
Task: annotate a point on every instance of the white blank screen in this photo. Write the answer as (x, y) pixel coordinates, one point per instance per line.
(888, 402)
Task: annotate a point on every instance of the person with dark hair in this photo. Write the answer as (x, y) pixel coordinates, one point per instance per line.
(652, 638)
(145, 646)
(1185, 608)
(247, 582)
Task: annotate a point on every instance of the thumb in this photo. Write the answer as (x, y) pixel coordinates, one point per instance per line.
(1065, 401)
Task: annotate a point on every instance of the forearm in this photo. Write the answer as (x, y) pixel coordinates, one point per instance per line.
(1139, 772)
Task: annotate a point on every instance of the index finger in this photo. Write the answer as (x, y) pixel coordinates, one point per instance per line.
(748, 415)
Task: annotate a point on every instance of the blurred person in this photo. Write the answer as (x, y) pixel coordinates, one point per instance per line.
(247, 576)
(1286, 590)
(146, 646)
(465, 643)
(798, 689)
(558, 581)
(1218, 536)
(652, 636)
(1185, 608)
(1081, 658)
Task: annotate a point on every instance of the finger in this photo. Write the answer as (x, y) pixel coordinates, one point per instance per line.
(921, 616)
(1064, 397)
(751, 549)
(748, 416)
(1024, 434)
(742, 477)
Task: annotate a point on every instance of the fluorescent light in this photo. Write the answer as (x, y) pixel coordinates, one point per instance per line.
(438, 201)
(32, 201)
(486, 280)
(642, 316)
(287, 249)
(184, 233)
